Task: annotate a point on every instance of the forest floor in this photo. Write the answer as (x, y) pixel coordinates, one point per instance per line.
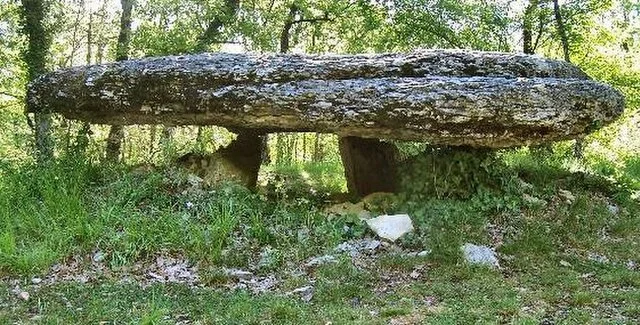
(87, 244)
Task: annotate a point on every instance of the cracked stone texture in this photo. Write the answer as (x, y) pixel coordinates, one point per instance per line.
(478, 99)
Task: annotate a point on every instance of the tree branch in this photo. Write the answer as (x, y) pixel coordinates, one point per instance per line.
(211, 34)
(286, 29)
(14, 96)
(311, 20)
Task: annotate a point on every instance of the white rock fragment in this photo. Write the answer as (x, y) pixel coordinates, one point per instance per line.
(391, 227)
(595, 257)
(321, 260)
(23, 295)
(534, 201)
(194, 180)
(305, 293)
(98, 257)
(36, 280)
(524, 185)
(631, 265)
(356, 247)
(238, 274)
(419, 254)
(482, 255)
(567, 196)
(613, 209)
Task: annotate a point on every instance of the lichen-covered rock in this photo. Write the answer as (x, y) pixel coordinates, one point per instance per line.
(238, 162)
(444, 97)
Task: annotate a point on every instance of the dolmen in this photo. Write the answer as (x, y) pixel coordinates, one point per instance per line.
(443, 97)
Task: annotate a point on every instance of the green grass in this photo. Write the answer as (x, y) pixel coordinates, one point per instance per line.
(73, 208)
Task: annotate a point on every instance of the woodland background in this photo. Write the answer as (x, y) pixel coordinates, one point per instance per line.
(94, 233)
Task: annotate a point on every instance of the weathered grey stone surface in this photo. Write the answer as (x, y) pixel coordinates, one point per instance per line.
(483, 255)
(444, 97)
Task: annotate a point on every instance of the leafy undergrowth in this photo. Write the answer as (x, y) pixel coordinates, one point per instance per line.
(98, 239)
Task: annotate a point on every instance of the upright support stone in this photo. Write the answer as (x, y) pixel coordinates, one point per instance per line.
(245, 153)
(369, 165)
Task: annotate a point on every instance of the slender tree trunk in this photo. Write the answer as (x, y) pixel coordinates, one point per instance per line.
(114, 143)
(200, 139)
(152, 140)
(116, 133)
(527, 27)
(294, 144)
(578, 147)
(124, 37)
(82, 138)
(561, 30)
(317, 149)
(89, 38)
(304, 147)
(166, 139)
(35, 56)
(75, 42)
(279, 148)
(101, 42)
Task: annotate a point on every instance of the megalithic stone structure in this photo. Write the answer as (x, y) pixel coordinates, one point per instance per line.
(454, 98)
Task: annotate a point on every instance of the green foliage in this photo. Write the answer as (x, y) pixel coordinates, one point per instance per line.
(304, 180)
(479, 25)
(51, 218)
(451, 173)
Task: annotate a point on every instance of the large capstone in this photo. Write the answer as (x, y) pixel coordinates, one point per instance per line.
(455, 98)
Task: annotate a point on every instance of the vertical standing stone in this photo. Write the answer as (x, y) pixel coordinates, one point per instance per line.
(245, 153)
(369, 165)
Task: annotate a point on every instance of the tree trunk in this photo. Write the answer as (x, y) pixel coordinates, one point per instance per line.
(369, 165)
(124, 37)
(35, 56)
(317, 148)
(114, 143)
(89, 38)
(114, 140)
(578, 146)
(527, 27)
(304, 147)
(213, 31)
(561, 30)
(166, 139)
(152, 140)
(82, 139)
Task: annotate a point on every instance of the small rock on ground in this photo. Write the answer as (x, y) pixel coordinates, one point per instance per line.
(391, 227)
(532, 200)
(482, 255)
(567, 196)
(419, 254)
(238, 274)
(23, 295)
(321, 260)
(305, 293)
(356, 247)
(598, 258)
